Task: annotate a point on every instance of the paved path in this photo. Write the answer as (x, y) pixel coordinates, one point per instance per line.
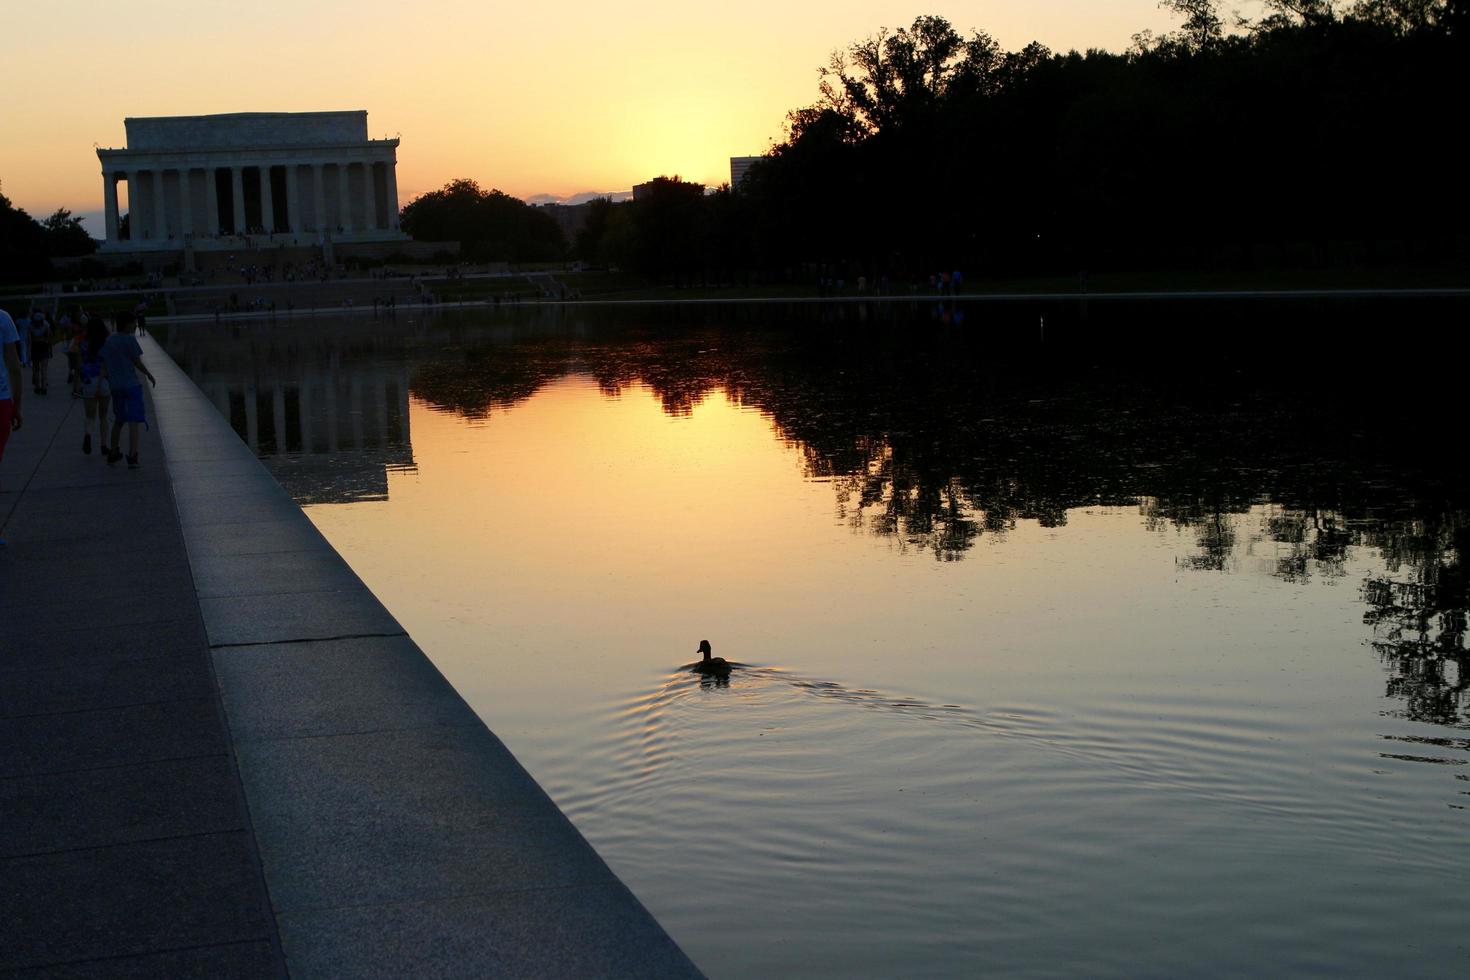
(221, 756)
(125, 846)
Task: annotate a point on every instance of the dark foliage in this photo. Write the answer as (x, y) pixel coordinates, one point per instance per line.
(1309, 138)
(23, 242)
(65, 236)
(489, 225)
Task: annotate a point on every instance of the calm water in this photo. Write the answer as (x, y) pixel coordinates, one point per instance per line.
(1063, 658)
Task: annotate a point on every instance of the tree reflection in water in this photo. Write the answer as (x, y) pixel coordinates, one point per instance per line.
(936, 437)
(1417, 613)
(930, 442)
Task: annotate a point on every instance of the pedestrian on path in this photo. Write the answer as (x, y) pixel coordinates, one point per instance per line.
(71, 328)
(40, 329)
(22, 324)
(9, 382)
(122, 359)
(95, 392)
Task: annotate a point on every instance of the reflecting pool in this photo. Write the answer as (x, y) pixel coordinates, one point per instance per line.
(1071, 643)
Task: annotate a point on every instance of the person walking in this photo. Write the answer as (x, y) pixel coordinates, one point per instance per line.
(122, 359)
(22, 325)
(95, 392)
(9, 381)
(40, 329)
(71, 329)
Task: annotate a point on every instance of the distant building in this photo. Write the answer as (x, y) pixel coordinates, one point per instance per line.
(739, 166)
(202, 182)
(570, 218)
(643, 190)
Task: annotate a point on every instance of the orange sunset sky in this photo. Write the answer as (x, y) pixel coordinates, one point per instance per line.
(558, 97)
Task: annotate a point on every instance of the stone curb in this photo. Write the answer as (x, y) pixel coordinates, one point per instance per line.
(398, 835)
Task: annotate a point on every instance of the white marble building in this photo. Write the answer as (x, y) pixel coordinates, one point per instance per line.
(288, 178)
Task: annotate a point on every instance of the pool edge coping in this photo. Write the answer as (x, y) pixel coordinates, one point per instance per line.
(439, 823)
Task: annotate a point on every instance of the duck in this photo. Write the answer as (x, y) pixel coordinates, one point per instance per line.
(710, 664)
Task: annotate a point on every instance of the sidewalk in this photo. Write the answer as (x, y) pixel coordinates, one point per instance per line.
(125, 847)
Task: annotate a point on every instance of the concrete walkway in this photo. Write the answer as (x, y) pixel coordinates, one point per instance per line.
(231, 752)
(125, 845)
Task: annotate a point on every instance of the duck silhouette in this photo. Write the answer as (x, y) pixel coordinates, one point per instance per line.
(710, 665)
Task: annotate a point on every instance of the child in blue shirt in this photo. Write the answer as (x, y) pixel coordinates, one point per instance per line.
(122, 359)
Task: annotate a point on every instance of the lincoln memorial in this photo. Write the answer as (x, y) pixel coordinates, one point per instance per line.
(290, 178)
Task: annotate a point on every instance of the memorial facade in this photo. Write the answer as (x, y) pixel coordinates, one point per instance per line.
(292, 178)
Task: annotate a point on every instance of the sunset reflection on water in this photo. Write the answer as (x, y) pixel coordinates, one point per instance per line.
(1037, 672)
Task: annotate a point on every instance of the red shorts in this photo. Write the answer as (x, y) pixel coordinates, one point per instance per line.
(7, 412)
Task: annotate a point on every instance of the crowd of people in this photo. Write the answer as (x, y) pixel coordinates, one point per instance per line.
(104, 365)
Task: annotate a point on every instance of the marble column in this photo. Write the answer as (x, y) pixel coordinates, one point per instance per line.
(293, 199)
(237, 180)
(345, 201)
(186, 207)
(267, 199)
(369, 199)
(390, 171)
(109, 204)
(135, 198)
(320, 204)
(211, 198)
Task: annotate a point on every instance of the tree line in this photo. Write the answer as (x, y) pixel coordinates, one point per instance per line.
(27, 246)
(1318, 134)
(1321, 133)
(490, 226)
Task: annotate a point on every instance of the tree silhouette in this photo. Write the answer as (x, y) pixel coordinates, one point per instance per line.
(890, 80)
(1418, 616)
(928, 150)
(1202, 24)
(66, 236)
(23, 245)
(489, 225)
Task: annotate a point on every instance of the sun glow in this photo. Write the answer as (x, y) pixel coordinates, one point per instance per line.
(554, 99)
